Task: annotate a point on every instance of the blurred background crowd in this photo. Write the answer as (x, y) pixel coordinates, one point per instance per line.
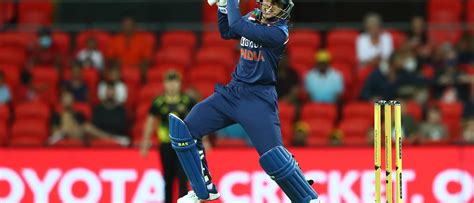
(95, 85)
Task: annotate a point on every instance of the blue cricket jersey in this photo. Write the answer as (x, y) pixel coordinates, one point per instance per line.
(261, 45)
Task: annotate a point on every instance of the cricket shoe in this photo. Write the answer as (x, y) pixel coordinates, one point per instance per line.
(191, 197)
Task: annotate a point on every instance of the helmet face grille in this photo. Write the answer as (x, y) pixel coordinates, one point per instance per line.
(285, 12)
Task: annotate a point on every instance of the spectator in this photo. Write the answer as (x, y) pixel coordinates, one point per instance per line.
(469, 107)
(415, 85)
(288, 82)
(417, 39)
(76, 85)
(451, 84)
(465, 48)
(27, 92)
(409, 124)
(91, 56)
(109, 119)
(301, 134)
(387, 82)
(130, 48)
(5, 96)
(44, 51)
(112, 77)
(374, 45)
(173, 101)
(67, 123)
(468, 131)
(433, 129)
(324, 83)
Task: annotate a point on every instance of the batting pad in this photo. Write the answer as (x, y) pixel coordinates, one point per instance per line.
(283, 169)
(185, 146)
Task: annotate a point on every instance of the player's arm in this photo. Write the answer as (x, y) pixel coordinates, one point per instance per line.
(150, 122)
(270, 36)
(224, 29)
(148, 128)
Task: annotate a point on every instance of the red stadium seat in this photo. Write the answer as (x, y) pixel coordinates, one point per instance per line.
(12, 75)
(137, 133)
(102, 38)
(362, 76)
(302, 55)
(214, 55)
(29, 132)
(17, 39)
(14, 56)
(213, 39)
(32, 110)
(342, 38)
(358, 110)
(319, 131)
(230, 142)
(178, 39)
(346, 71)
(149, 39)
(204, 88)
(444, 16)
(142, 110)
(132, 92)
(470, 15)
(355, 131)
(286, 131)
(35, 13)
(104, 143)
(90, 77)
(210, 73)
(45, 75)
(62, 41)
(413, 109)
(174, 55)
(69, 143)
(131, 76)
(26, 141)
(287, 111)
(301, 68)
(319, 111)
(398, 38)
(157, 73)
(3, 133)
(4, 113)
(444, 11)
(451, 114)
(304, 38)
(343, 54)
(149, 92)
(8, 11)
(442, 35)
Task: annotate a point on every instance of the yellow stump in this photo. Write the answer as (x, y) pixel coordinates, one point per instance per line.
(377, 148)
(398, 152)
(388, 152)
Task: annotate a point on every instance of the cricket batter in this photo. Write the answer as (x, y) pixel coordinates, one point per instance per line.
(250, 99)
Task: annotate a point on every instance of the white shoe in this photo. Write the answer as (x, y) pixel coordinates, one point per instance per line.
(191, 197)
(315, 201)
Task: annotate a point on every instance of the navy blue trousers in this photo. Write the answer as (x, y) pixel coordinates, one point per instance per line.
(255, 107)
